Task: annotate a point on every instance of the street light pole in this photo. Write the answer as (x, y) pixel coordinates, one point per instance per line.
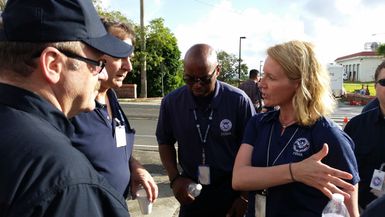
(143, 70)
(260, 66)
(239, 60)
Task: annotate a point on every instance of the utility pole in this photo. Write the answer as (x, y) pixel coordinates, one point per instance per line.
(143, 71)
(239, 64)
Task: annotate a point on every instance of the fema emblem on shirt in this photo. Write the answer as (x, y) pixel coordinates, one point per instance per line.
(226, 126)
(300, 146)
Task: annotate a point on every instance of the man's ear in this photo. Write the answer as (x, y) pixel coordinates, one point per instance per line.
(51, 62)
(218, 69)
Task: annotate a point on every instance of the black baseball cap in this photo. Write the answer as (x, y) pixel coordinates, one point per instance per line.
(59, 20)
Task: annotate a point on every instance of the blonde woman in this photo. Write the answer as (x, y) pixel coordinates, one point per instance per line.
(293, 159)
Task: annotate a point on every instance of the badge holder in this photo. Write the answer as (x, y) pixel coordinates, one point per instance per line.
(120, 134)
(204, 174)
(378, 178)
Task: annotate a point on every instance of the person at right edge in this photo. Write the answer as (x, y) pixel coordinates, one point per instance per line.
(291, 160)
(367, 131)
(207, 118)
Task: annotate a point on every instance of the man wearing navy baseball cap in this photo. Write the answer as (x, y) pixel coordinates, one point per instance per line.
(50, 70)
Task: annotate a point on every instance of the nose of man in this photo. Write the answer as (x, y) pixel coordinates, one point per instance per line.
(127, 65)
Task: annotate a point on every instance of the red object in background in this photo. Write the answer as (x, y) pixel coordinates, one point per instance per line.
(346, 120)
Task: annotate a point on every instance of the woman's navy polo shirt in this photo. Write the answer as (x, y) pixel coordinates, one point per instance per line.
(297, 199)
(95, 137)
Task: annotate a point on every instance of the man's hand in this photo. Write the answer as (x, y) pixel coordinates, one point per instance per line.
(238, 208)
(179, 189)
(140, 176)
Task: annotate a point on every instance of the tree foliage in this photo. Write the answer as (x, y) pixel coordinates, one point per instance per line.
(163, 59)
(229, 68)
(109, 14)
(381, 50)
(162, 55)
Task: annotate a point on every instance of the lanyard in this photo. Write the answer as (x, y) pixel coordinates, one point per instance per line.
(203, 139)
(280, 153)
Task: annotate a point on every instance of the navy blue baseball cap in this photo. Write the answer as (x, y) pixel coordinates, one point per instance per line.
(57, 21)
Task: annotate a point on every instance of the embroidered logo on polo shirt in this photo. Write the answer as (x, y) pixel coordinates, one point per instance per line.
(300, 146)
(225, 126)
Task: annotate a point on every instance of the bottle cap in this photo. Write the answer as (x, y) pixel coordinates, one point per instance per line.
(338, 197)
(198, 187)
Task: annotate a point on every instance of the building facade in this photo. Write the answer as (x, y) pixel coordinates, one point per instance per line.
(360, 67)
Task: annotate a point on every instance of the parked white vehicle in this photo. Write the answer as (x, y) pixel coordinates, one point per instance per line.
(336, 73)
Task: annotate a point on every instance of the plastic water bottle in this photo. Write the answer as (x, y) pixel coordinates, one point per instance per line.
(336, 207)
(194, 189)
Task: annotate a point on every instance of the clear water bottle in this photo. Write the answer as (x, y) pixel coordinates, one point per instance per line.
(194, 189)
(336, 207)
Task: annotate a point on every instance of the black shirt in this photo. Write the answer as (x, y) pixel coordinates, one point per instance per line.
(367, 131)
(41, 173)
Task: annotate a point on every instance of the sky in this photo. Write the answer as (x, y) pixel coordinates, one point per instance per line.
(335, 27)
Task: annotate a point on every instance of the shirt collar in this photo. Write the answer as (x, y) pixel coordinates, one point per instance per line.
(30, 102)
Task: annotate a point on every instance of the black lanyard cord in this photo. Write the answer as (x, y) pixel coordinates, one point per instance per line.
(203, 139)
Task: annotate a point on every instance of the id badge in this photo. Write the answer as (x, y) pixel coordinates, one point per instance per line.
(378, 180)
(260, 205)
(120, 136)
(204, 174)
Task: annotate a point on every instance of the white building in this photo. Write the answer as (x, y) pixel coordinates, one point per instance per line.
(360, 67)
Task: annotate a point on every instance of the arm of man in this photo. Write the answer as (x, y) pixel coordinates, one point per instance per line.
(178, 183)
(78, 200)
(140, 176)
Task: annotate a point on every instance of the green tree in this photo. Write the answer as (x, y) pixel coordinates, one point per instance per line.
(109, 14)
(162, 55)
(163, 60)
(381, 50)
(229, 68)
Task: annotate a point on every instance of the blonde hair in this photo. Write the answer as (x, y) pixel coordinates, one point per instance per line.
(313, 98)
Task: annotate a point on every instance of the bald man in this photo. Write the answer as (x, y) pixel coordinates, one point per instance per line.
(206, 117)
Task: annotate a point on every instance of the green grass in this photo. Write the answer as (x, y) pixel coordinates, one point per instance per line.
(351, 87)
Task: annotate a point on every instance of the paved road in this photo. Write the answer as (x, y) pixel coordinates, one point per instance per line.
(143, 117)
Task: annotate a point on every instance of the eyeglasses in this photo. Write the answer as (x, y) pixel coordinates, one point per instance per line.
(203, 80)
(99, 64)
(381, 82)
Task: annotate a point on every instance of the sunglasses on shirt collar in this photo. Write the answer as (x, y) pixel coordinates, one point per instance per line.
(203, 80)
(381, 82)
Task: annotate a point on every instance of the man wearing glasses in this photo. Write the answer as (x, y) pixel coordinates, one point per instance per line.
(206, 117)
(50, 70)
(367, 130)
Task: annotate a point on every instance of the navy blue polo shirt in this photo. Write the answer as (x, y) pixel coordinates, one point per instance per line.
(371, 105)
(376, 208)
(367, 131)
(42, 174)
(95, 137)
(231, 110)
(296, 199)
